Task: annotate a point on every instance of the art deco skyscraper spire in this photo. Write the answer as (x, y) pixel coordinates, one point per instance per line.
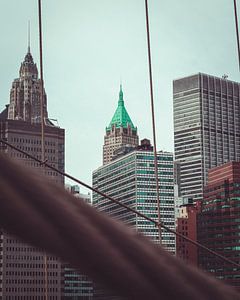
(25, 93)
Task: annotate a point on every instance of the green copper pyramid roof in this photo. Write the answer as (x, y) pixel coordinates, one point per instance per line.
(121, 117)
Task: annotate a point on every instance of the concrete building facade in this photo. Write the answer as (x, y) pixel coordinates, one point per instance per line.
(206, 128)
(75, 284)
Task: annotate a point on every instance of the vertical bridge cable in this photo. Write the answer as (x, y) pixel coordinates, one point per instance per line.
(42, 127)
(153, 122)
(41, 81)
(237, 33)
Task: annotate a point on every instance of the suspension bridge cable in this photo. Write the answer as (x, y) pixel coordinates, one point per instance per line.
(237, 32)
(42, 123)
(153, 120)
(197, 244)
(41, 81)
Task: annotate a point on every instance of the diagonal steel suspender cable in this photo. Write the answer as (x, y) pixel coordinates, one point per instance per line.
(237, 32)
(42, 123)
(153, 121)
(41, 80)
(223, 258)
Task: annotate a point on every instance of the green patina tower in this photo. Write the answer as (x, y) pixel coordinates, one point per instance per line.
(120, 132)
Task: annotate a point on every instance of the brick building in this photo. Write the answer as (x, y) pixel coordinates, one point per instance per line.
(187, 226)
(219, 223)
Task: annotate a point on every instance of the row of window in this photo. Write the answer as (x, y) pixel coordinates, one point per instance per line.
(32, 141)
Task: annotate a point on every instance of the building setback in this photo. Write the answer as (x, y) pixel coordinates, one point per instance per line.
(26, 272)
(219, 223)
(120, 132)
(206, 128)
(130, 178)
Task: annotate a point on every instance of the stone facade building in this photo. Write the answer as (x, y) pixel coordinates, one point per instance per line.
(25, 94)
(120, 132)
(25, 271)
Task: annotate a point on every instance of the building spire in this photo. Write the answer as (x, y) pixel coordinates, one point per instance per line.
(120, 100)
(28, 36)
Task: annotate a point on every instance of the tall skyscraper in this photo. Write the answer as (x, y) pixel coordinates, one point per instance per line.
(219, 223)
(130, 178)
(120, 131)
(206, 128)
(26, 272)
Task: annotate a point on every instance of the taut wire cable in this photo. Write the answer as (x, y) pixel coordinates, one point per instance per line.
(237, 32)
(153, 122)
(123, 205)
(42, 123)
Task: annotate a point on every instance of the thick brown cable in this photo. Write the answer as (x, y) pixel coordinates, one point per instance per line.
(43, 214)
(42, 125)
(153, 123)
(123, 205)
(237, 32)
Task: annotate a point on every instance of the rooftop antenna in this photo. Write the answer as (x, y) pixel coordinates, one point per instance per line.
(28, 36)
(121, 83)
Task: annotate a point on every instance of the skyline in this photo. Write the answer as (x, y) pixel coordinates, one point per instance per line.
(89, 46)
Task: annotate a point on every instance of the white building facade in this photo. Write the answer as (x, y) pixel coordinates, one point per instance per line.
(131, 180)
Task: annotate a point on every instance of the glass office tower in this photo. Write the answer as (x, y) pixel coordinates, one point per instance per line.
(130, 178)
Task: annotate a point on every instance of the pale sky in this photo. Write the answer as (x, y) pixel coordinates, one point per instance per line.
(89, 46)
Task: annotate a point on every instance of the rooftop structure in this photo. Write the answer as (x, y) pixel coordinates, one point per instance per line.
(120, 132)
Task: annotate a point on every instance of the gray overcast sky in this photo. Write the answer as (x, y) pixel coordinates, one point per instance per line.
(90, 45)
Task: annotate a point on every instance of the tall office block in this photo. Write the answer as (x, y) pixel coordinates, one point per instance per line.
(130, 178)
(219, 223)
(120, 131)
(26, 272)
(206, 128)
